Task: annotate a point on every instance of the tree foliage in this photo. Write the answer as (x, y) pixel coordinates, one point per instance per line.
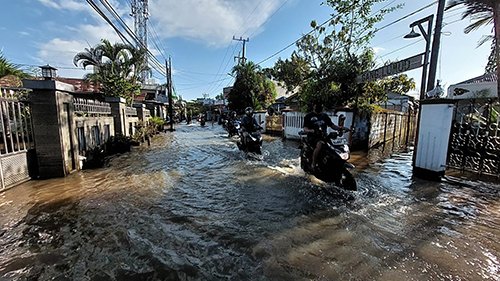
(117, 67)
(251, 88)
(330, 58)
(8, 68)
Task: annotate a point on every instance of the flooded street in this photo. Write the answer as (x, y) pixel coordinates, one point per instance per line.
(191, 207)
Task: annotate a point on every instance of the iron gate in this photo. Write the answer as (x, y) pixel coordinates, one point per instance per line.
(475, 137)
(15, 137)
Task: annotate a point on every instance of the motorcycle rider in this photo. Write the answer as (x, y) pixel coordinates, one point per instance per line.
(315, 125)
(248, 124)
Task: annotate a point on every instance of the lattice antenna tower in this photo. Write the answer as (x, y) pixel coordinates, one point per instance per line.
(140, 13)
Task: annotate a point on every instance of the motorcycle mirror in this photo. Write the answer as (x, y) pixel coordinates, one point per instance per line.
(341, 120)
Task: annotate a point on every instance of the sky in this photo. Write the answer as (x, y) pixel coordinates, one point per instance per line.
(198, 36)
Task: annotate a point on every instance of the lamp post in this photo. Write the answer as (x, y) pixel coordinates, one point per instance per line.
(48, 72)
(427, 37)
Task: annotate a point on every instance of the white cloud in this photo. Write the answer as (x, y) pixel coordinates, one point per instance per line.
(60, 52)
(378, 50)
(213, 22)
(65, 4)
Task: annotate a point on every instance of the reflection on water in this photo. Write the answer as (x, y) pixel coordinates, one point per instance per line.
(191, 207)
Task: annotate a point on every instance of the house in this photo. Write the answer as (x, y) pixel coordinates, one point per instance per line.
(484, 86)
(398, 102)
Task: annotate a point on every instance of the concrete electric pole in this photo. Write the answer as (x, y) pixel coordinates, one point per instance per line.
(436, 42)
(242, 59)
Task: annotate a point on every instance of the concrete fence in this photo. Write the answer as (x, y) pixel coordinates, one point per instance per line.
(66, 128)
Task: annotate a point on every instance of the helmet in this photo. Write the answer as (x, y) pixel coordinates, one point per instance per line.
(249, 111)
(233, 114)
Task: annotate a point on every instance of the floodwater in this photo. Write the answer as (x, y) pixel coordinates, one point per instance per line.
(191, 207)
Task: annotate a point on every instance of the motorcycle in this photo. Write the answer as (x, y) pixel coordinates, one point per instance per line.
(202, 121)
(332, 162)
(232, 127)
(253, 142)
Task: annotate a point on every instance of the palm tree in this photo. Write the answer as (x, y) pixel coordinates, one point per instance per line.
(116, 67)
(7, 68)
(484, 12)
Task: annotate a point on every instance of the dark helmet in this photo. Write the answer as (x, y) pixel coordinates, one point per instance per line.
(249, 111)
(233, 114)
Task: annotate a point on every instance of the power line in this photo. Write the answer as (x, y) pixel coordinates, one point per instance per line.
(406, 16)
(156, 64)
(387, 25)
(269, 18)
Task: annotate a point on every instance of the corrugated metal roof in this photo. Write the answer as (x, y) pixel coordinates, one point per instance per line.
(487, 77)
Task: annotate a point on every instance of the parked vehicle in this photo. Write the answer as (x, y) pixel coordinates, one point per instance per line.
(332, 162)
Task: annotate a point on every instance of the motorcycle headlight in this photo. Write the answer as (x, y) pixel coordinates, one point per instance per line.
(344, 156)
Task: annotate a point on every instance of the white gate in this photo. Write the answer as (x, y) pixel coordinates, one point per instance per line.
(15, 137)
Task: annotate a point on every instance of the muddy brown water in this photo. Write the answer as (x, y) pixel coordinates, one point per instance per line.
(191, 207)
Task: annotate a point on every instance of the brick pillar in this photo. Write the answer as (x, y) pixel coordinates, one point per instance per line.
(119, 116)
(53, 127)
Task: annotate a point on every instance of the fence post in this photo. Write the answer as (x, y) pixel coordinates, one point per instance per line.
(53, 127)
(118, 111)
(141, 112)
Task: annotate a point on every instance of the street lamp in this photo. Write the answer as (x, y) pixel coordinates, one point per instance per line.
(48, 72)
(427, 37)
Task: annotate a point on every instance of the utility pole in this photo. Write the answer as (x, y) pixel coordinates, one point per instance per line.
(242, 59)
(169, 91)
(436, 42)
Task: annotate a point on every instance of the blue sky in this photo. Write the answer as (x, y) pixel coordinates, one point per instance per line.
(198, 34)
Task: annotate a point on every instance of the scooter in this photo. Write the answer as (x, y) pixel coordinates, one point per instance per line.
(253, 143)
(232, 127)
(332, 162)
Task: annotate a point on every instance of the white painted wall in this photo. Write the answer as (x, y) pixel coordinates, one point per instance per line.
(433, 137)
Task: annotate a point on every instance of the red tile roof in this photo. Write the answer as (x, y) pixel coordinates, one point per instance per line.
(81, 85)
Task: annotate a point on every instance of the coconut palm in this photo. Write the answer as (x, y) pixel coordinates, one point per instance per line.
(484, 12)
(116, 67)
(8, 68)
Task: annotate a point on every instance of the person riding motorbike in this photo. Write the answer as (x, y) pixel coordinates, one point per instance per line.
(248, 124)
(315, 125)
(231, 124)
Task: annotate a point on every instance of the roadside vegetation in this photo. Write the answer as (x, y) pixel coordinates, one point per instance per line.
(117, 67)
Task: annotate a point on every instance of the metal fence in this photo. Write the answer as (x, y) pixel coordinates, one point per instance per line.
(475, 137)
(93, 107)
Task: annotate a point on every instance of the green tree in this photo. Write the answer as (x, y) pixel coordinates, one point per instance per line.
(483, 13)
(8, 68)
(292, 72)
(329, 58)
(117, 68)
(251, 88)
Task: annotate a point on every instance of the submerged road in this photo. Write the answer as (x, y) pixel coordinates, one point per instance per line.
(191, 207)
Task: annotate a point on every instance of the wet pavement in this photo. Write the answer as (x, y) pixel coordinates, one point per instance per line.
(192, 207)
